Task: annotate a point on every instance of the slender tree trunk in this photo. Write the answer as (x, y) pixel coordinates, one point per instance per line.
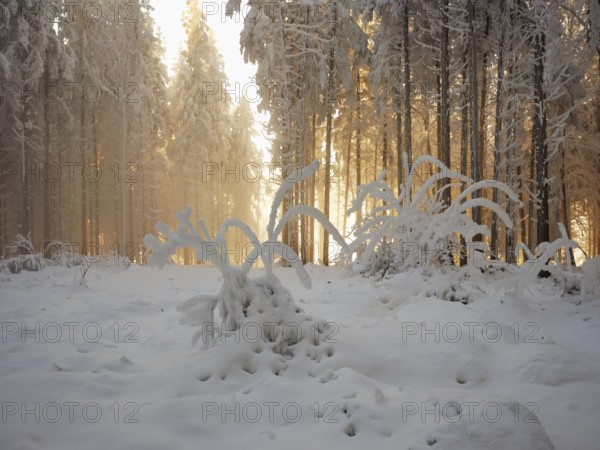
(482, 107)
(24, 226)
(444, 98)
(398, 114)
(509, 243)
(122, 184)
(142, 190)
(328, 136)
(540, 145)
(131, 221)
(498, 132)
(532, 226)
(96, 233)
(312, 191)
(438, 112)
(304, 200)
(476, 168)
(358, 145)
(464, 141)
(384, 153)
(511, 133)
(426, 123)
(82, 156)
(482, 111)
(347, 190)
(407, 90)
(384, 148)
(47, 211)
(58, 219)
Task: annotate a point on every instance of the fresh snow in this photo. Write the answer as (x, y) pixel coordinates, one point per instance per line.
(403, 363)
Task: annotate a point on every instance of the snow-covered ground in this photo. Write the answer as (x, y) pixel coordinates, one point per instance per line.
(399, 365)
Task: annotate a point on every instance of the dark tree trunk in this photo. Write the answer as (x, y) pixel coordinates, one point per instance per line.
(96, 233)
(407, 90)
(540, 145)
(47, 211)
(444, 99)
(82, 156)
(476, 167)
(464, 140)
(498, 131)
(358, 145)
(328, 133)
(398, 114)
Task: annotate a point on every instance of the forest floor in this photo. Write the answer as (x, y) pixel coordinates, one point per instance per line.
(422, 360)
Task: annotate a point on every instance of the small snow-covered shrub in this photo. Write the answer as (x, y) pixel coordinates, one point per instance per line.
(418, 229)
(261, 302)
(545, 262)
(27, 260)
(24, 256)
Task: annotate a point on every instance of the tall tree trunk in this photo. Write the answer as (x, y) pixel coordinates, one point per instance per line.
(483, 105)
(498, 130)
(565, 200)
(407, 90)
(312, 191)
(540, 145)
(384, 153)
(511, 136)
(122, 184)
(444, 98)
(464, 141)
(142, 188)
(58, 217)
(438, 112)
(96, 234)
(304, 186)
(82, 156)
(398, 114)
(509, 243)
(476, 169)
(47, 211)
(358, 145)
(328, 131)
(24, 226)
(482, 109)
(347, 190)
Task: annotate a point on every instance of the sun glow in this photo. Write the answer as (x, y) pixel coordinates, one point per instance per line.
(168, 17)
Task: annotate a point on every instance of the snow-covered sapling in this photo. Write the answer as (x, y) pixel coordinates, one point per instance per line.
(262, 302)
(418, 229)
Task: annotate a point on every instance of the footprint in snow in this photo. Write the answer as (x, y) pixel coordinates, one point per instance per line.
(123, 365)
(329, 376)
(268, 434)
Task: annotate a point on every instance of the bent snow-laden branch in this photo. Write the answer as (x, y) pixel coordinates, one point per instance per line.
(421, 220)
(241, 300)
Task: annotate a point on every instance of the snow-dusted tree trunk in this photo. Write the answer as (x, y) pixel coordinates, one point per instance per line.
(445, 96)
(540, 146)
(498, 127)
(407, 90)
(476, 163)
(328, 130)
